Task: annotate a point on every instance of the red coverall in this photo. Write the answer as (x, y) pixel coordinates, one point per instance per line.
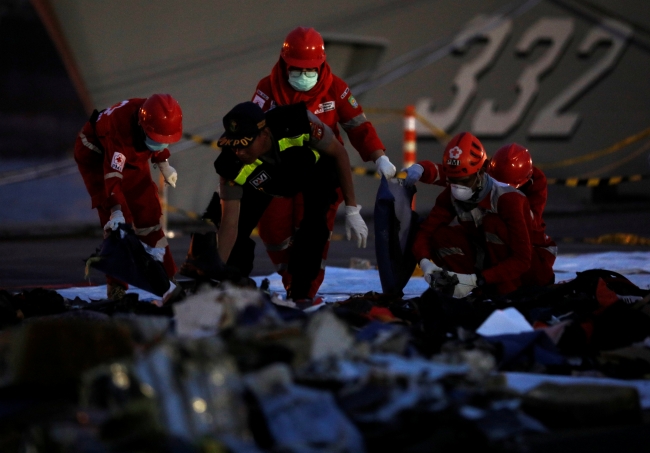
(500, 224)
(331, 100)
(114, 163)
(544, 248)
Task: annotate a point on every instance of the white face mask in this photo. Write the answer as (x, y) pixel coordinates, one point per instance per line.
(461, 193)
(302, 82)
(153, 145)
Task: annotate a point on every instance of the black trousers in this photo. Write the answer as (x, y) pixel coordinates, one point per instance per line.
(308, 242)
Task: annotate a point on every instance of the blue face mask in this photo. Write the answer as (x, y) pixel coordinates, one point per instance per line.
(302, 82)
(154, 146)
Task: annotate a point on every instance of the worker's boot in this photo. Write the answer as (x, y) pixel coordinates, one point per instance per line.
(202, 261)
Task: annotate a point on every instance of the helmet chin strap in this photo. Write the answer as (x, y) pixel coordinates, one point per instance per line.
(479, 188)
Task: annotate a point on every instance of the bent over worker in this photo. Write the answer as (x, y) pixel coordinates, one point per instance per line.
(112, 152)
(302, 74)
(282, 153)
(513, 165)
(490, 246)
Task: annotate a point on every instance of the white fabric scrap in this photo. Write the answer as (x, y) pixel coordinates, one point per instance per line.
(198, 316)
(504, 322)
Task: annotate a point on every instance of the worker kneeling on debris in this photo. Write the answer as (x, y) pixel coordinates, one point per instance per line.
(490, 247)
(282, 153)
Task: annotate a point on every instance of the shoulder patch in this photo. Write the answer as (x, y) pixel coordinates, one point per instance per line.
(316, 131)
(353, 102)
(118, 161)
(345, 93)
(259, 101)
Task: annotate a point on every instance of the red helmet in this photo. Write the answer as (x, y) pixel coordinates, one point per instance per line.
(463, 156)
(512, 165)
(161, 118)
(303, 48)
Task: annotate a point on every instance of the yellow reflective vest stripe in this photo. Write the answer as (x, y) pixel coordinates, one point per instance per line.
(284, 143)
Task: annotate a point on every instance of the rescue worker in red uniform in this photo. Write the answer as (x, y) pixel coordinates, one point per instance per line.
(283, 153)
(490, 247)
(302, 75)
(112, 152)
(513, 165)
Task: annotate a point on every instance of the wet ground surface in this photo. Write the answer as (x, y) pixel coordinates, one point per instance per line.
(33, 261)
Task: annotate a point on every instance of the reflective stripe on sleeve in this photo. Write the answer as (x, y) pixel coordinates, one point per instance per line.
(278, 247)
(493, 238)
(450, 251)
(87, 144)
(292, 141)
(246, 171)
(354, 122)
(283, 144)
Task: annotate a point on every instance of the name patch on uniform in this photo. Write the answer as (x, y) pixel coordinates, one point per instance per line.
(118, 161)
(353, 102)
(259, 101)
(263, 95)
(347, 90)
(260, 179)
(325, 107)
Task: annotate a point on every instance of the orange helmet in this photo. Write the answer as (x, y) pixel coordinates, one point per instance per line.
(303, 48)
(463, 156)
(161, 118)
(512, 165)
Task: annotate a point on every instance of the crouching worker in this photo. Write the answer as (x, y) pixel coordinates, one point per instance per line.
(281, 153)
(513, 165)
(112, 152)
(490, 247)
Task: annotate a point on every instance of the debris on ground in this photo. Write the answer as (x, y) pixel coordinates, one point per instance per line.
(236, 368)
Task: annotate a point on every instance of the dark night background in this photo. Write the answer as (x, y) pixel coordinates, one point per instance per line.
(40, 112)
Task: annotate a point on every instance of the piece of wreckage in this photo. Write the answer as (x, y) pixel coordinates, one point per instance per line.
(237, 369)
(234, 369)
(121, 255)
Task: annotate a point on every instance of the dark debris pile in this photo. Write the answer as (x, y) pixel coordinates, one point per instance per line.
(234, 369)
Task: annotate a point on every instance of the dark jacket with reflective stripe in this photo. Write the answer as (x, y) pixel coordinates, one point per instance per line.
(290, 167)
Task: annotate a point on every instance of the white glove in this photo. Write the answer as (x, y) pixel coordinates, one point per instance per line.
(466, 283)
(385, 167)
(116, 218)
(428, 267)
(157, 253)
(355, 224)
(169, 173)
(413, 174)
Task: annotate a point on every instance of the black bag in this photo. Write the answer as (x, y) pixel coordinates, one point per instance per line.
(121, 255)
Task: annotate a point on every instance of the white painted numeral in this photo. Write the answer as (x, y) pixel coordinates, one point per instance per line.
(494, 31)
(550, 122)
(557, 32)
